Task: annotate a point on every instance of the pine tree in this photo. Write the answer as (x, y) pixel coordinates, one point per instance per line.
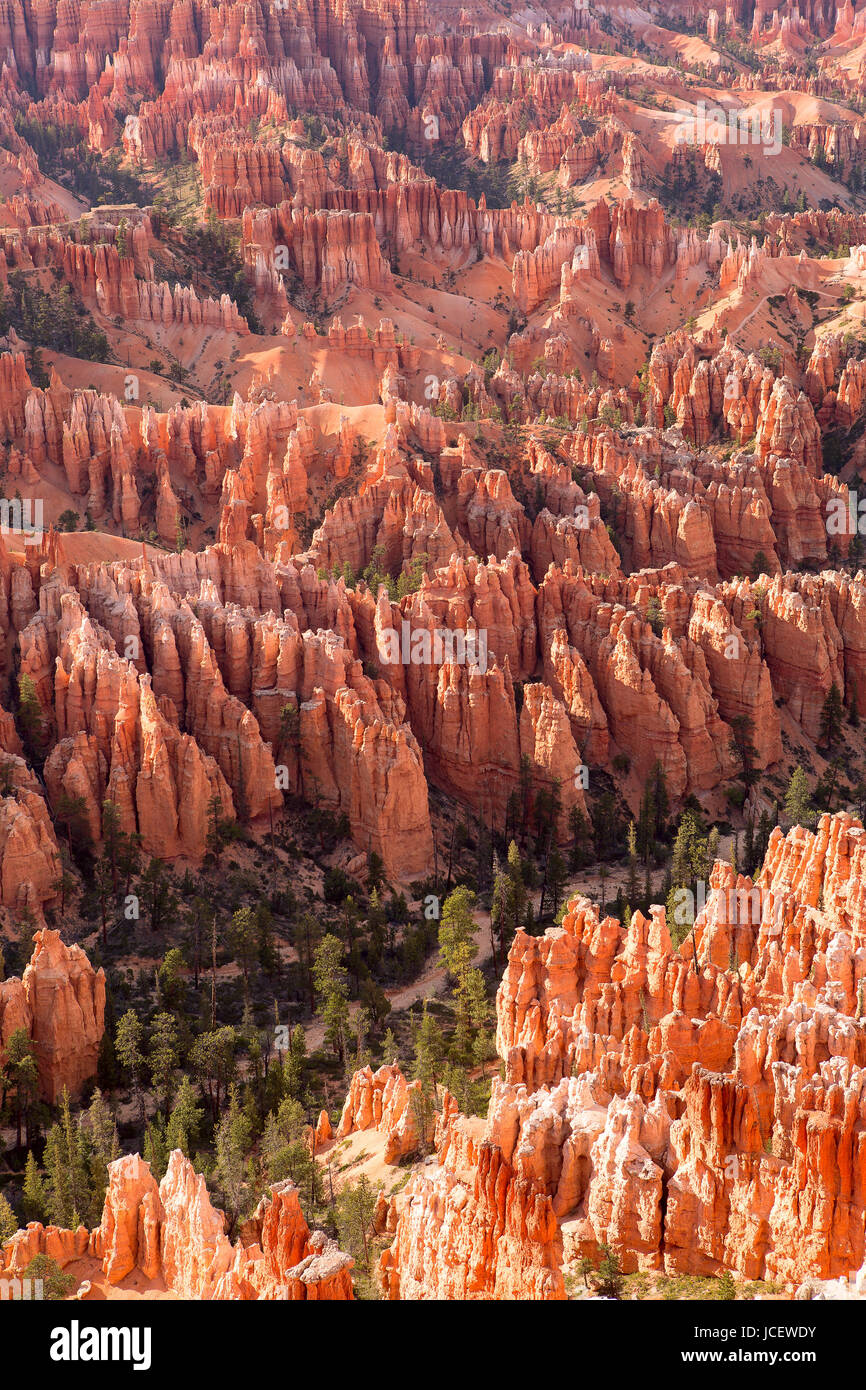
(390, 1048)
(212, 1057)
(743, 748)
(232, 1144)
(631, 887)
(8, 1221)
(646, 823)
(155, 1147)
(762, 839)
(33, 1198)
(831, 717)
(749, 846)
(610, 1277)
(244, 941)
(712, 849)
(66, 1170)
(457, 944)
(19, 1077)
(295, 1061)
(103, 1148)
(798, 799)
(184, 1120)
(111, 838)
(332, 987)
(163, 1056)
(516, 895)
(579, 831)
(557, 877)
(429, 1052)
(127, 1045)
(172, 985)
(661, 798)
(354, 1215)
(30, 717)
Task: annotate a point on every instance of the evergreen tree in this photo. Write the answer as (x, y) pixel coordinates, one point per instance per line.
(56, 1284)
(831, 717)
(212, 1058)
(457, 944)
(111, 839)
(31, 718)
(184, 1120)
(8, 1220)
(244, 941)
(232, 1142)
(71, 812)
(172, 985)
(33, 1199)
(631, 887)
(749, 846)
(127, 1045)
(102, 1148)
(798, 808)
(762, 839)
(332, 986)
(155, 1147)
(743, 747)
(661, 798)
(610, 1278)
(557, 876)
(429, 1052)
(157, 895)
(712, 849)
(163, 1056)
(354, 1216)
(19, 1077)
(295, 1062)
(579, 829)
(66, 1173)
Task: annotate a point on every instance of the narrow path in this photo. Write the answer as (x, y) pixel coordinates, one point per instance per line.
(585, 883)
(426, 986)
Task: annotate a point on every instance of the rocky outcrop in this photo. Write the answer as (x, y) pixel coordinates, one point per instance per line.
(383, 1100)
(171, 1233)
(60, 1003)
(696, 1109)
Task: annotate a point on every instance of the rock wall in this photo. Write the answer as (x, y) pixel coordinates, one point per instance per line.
(170, 1232)
(60, 1003)
(697, 1110)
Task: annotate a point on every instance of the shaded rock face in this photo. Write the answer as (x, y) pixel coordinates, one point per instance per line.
(60, 1003)
(170, 1232)
(696, 1110)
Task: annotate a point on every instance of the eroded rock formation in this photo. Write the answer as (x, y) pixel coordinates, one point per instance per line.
(60, 1004)
(696, 1109)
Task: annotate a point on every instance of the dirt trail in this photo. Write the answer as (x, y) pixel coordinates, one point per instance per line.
(428, 983)
(587, 883)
